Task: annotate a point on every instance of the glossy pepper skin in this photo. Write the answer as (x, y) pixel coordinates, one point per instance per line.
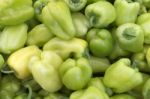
(65, 48)
(75, 74)
(99, 65)
(44, 69)
(144, 21)
(13, 12)
(146, 90)
(16, 34)
(89, 93)
(130, 37)
(99, 14)
(39, 35)
(121, 77)
(100, 42)
(76, 5)
(122, 96)
(81, 24)
(126, 12)
(23, 55)
(57, 17)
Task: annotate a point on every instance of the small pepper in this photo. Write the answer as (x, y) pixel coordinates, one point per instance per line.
(75, 74)
(57, 17)
(100, 14)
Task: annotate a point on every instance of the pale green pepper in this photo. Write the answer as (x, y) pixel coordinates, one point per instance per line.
(67, 48)
(18, 61)
(13, 38)
(39, 35)
(81, 24)
(100, 14)
(144, 21)
(89, 93)
(13, 12)
(75, 74)
(57, 17)
(76, 5)
(44, 69)
(121, 77)
(130, 37)
(126, 11)
(122, 96)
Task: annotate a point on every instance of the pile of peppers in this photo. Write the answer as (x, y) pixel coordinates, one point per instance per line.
(74, 49)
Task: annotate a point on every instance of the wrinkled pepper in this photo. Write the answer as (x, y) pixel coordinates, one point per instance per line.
(16, 34)
(126, 11)
(57, 17)
(18, 61)
(144, 21)
(130, 37)
(121, 77)
(44, 69)
(100, 42)
(39, 35)
(81, 24)
(13, 12)
(67, 48)
(89, 93)
(99, 14)
(76, 5)
(75, 74)
(122, 96)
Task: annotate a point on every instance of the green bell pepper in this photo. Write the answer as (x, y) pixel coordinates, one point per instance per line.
(121, 77)
(57, 17)
(122, 96)
(99, 65)
(23, 55)
(16, 34)
(81, 24)
(44, 69)
(93, 1)
(100, 14)
(13, 12)
(126, 11)
(89, 93)
(56, 96)
(67, 48)
(21, 96)
(144, 21)
(75, 74)
(39, 35)
(76, 5)
(100, 42)
(146, 3)
(146, 89)
(6, 94)
(130, 37)
(2, 61)
(148, 57)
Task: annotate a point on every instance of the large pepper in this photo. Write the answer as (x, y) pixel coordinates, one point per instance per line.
(130, 37)
(100, 42)
(75, 74)
(100, 14)
(67, 48)
(89, 93)
(126, 11)
(57, 17)
(99, 65)
(81, 24)
(39, 35)
(76, 5)
(144, 21)
(121, 77)
(146, 90)
(18, 61)
(122, 96)
(14, 12)
(12, 38)
(44, 68)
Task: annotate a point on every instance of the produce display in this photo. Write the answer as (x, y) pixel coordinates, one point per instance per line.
(74, 49)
